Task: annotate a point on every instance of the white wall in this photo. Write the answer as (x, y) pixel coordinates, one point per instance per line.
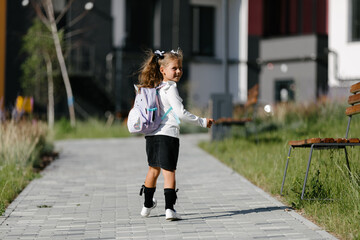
(339, 41)
(206, 77)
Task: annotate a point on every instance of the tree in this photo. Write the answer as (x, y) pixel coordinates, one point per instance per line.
(45, 12)
(40, 65)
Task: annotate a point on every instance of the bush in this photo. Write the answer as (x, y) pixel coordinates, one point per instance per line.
(22, 146)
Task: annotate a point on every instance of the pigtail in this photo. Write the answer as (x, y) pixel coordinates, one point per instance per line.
(149, 73)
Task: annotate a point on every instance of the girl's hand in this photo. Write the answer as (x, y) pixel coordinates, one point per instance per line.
(209, 122)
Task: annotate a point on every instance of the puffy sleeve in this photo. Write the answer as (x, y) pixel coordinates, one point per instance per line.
(175, 102)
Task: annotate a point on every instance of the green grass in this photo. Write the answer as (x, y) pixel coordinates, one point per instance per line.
(261, 159)
(22, 146)
(13, 179)
(91, 128)
(95, 128)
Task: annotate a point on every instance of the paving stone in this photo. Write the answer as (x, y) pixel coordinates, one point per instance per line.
(92, 192)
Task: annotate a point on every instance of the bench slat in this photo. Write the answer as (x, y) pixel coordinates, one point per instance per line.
(297, 143)
(353, 110)
(354, 99)
(313, 140)
(355, 88)
(327, 140)
(232, 121)
(309, 141)
(341, 140)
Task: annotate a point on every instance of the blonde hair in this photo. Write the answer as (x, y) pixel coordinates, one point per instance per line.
(149, 73)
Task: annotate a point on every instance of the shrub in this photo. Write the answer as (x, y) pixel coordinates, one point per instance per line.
(21, 147)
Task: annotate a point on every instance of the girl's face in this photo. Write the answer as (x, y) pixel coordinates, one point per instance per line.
(172, 71)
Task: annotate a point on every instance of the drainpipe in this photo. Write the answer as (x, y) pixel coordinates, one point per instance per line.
(336, 68)
(225, 5)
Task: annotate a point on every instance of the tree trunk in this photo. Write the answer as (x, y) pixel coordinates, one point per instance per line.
(50, 13)
(51, 112)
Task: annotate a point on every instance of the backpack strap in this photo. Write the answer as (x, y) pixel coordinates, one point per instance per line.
(167, 112)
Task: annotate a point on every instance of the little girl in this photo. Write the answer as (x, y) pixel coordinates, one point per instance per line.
(164, 69)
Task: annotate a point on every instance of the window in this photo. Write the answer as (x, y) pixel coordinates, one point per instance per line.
(284, 90)
(281, 17)
(203, 33)
(139, 24)
(294, 17)
(355, 20)
(82, 59)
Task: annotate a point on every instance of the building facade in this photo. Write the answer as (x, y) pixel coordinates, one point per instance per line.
(229, 46)
(288, 45)
(198, 28)
(90, 55)
(344, 45)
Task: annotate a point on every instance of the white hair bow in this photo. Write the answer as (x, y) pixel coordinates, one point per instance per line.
(159, 54)
(175, 52)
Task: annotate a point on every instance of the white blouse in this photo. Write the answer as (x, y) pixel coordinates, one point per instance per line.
(169, 97)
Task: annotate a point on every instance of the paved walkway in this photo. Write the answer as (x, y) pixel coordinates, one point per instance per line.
(92, 192)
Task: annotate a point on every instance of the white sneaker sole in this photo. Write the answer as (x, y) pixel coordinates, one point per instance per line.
(172, 215)
(145, 212)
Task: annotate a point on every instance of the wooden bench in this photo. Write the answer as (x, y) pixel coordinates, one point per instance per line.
(251, 102)
(329, 143)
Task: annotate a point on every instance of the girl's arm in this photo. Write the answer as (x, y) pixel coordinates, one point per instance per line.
(176, 103)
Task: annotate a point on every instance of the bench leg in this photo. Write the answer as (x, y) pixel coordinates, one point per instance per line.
(347, 162)
(286, 166)
(307, 172)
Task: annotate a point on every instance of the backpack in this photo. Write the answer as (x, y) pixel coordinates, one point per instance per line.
(145, 117)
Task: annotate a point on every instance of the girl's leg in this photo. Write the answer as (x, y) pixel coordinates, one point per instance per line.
(151, 177)
(150, 186)
(169, 188)
(169, 178)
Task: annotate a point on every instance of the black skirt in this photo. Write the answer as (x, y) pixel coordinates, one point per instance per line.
(162, 151)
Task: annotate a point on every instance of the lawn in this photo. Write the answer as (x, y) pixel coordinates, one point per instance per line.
(260, 156)
(96, 128)
(90, 128)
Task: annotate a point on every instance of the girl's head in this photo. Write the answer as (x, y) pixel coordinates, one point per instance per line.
(160, 66)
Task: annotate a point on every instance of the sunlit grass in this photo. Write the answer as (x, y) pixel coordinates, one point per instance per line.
(95, 128)
(261, 159)
(91, 128)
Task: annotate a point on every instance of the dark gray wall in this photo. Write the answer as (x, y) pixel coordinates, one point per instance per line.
(302, 56)
(93, 91)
